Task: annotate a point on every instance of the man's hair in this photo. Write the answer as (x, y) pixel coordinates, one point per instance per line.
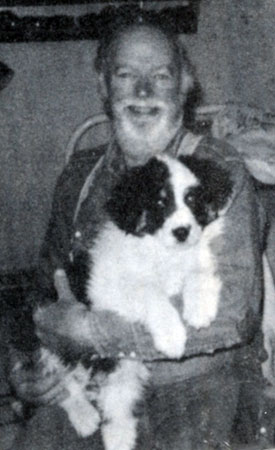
(112, 35)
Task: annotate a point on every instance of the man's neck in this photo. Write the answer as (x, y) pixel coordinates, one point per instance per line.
(171, 149)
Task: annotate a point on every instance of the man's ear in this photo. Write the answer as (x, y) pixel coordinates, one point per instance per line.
(102, 85)
(187, 82)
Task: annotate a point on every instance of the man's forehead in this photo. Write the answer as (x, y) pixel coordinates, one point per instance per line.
(145, 43)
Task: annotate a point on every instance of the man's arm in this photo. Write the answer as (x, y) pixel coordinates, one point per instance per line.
(238, 253)
(56, 246)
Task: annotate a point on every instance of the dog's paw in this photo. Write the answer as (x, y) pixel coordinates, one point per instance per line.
(84, 418)
(171, 342)
(200, 317)
(198, 321)
(119, 436)
(87, 425)
(201, 300)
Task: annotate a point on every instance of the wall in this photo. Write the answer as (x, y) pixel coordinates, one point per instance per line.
(54, 89)
(234, 51)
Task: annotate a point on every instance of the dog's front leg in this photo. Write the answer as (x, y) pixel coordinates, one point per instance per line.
(201, 294)
(166, 326)
(82, 414)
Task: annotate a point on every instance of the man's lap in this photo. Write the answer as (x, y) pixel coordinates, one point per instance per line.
(187, 413)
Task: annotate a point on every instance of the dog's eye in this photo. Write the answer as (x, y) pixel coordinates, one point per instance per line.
(160, 203)
(190, 198)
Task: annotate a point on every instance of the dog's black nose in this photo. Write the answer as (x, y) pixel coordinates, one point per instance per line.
(181, 233)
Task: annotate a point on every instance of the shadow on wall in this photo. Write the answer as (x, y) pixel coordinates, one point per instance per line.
(6, 75)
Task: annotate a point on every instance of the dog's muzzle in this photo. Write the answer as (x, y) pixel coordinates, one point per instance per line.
(181, 233)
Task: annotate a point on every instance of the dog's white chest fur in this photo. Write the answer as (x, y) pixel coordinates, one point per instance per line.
(124, 263)
(136, 277)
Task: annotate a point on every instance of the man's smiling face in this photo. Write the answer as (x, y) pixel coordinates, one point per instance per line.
(144, 91)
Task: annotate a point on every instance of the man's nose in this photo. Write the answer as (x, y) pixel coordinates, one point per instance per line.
(144, 88)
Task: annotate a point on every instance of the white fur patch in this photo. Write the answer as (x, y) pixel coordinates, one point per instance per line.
(202, 286)
(131, 277)
(82, 414)
(117, 399)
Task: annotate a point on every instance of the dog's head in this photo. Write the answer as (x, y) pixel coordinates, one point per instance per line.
(175, 198)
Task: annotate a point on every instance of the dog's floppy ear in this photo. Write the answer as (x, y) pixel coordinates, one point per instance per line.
(132, 196)
(124, 206)
(216, 184)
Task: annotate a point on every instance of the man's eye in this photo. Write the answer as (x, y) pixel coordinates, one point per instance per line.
(162, 76)
(124, 74)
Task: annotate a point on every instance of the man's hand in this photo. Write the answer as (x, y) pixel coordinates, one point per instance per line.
(66, 322)
(32, 384)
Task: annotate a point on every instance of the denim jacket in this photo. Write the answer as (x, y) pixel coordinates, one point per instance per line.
(78, 214)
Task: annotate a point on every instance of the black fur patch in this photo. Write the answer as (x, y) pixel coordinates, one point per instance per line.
(211, 195)
(143, 199)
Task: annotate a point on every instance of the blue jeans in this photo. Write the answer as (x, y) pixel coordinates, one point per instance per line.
(191, 415)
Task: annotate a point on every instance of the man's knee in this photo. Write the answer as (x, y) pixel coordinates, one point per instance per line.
(194, 413)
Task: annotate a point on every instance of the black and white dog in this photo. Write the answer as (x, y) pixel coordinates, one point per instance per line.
(156, 243)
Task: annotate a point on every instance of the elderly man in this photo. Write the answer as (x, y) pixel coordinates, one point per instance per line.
(144, 78)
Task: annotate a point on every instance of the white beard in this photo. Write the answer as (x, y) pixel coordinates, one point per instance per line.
(140, 141)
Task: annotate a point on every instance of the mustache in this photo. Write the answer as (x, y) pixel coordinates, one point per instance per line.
(122, 104)
(139, 103)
